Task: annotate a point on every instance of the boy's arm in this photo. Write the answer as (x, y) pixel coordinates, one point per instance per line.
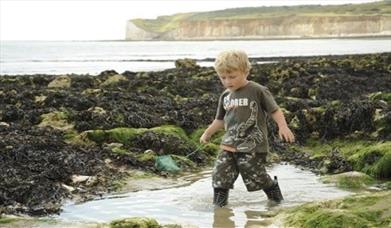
(283, 130)
(213, 128)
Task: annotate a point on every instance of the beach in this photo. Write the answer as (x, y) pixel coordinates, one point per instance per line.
(78, 136)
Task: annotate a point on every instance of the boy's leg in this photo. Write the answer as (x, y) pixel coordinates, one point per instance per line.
(223, 178)
(252, 168)
(220, 197)
(274, 192)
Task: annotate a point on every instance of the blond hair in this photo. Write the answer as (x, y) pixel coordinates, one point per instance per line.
(232, 60)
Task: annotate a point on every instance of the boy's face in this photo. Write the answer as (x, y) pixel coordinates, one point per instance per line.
(233, 80)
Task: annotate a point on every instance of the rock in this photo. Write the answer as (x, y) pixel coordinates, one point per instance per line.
(60, 82)
(186, 63)
(97, 110)
(350, 180)
(323, 170)
(359, 210)
(116, 148)
(112, 80)
(40, 99)
(56, 120)
(149, 151)
(312, 93)
(294, 123)
(34, 182)
(143, 75)
(107, 73)
(335, 163)
(91, 91)
(383, 96)
(148, 155)
(382, 124)
(140, 222)
(91, 181)
(113, 145)
(68, 188)
(324, 166)
(4, 125)
(79, 178)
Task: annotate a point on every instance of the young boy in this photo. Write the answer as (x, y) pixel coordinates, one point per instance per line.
(242, 111)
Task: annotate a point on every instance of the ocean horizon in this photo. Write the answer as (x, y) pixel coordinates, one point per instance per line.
(93, 57)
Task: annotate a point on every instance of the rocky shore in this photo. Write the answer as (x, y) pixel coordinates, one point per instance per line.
(73, 136)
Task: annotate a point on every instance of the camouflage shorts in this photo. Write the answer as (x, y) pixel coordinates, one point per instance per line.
(251, 167)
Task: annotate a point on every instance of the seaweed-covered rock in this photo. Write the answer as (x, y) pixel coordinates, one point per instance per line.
(135, 222)
(113, 80)
(367, 210)
(163, 140)
(334, 163)
(61, 82)
(35, 187)
(350, 180)
(186, 63)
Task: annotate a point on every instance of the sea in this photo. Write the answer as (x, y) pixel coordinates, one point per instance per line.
(93, 57)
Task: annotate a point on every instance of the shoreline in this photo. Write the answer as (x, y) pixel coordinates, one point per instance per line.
(287, 38)
(268, 38)
(254, 60)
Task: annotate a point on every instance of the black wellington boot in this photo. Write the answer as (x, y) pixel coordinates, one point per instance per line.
(220, 197)
(273, 192)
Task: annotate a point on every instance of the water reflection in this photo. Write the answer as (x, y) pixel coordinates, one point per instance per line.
(225, 218)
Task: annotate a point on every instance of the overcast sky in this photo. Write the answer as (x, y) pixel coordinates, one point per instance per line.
(105, 20)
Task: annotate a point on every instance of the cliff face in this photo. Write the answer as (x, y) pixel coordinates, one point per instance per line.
(135, 33)
(273, 27)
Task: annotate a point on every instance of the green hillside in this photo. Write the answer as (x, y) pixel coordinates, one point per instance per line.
(166, 23)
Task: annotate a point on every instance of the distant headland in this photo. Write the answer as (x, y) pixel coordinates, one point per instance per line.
(282, 22)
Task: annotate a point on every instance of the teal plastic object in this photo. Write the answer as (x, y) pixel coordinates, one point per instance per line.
(166, 163)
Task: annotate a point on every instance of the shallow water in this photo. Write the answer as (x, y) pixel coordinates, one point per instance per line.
(191, 204)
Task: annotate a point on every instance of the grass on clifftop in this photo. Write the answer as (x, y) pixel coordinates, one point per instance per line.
(377, 8)
(161, 24)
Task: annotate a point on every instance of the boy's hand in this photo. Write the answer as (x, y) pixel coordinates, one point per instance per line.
(286, 134)
(204, 138)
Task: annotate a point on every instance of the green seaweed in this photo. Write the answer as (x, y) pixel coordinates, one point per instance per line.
(135, 222)
(370, 157)
(369, 210)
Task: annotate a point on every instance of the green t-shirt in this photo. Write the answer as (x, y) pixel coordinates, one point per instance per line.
(244, 112)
